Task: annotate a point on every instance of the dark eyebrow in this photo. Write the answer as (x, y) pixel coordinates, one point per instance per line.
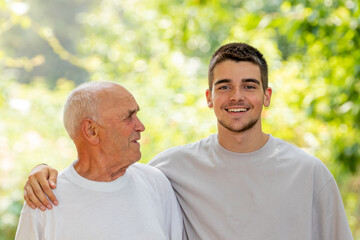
(222, 81)
(251, 80)
(243, 80)
(132, 111)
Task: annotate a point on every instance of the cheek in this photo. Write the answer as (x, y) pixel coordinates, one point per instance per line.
(218, 100)
(125, 129)
(259, 102)
(129, 131)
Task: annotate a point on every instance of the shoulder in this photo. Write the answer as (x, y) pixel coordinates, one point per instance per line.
(28, 214)
(64, 179)
(183, 152)
(151, 178)
(144, 169)
(289, 151)
(302, 159)
(147, 172)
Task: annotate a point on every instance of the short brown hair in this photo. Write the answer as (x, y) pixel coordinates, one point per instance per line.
(239, 52)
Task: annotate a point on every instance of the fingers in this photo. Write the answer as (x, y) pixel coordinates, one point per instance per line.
(28, 201)
(45, 187)
(31, 193)
(53, 177)
(52, 183)
(41, 181)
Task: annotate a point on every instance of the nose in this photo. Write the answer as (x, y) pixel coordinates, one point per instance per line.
(237, 95)
(139, 127)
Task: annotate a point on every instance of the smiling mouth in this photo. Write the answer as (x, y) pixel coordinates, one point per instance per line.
(236, 110)
(136, 140)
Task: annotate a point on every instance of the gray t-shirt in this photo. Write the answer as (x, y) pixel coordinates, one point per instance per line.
(278, 192)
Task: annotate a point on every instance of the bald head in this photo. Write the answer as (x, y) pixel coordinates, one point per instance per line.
(88, 100)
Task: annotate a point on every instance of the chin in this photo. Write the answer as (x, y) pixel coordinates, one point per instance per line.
(239, 129)
(138, 158)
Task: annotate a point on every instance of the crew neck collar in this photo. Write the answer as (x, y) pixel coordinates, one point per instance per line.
(270, 144)
(118, 183)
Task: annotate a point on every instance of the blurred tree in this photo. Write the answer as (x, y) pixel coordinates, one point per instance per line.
(43, 35)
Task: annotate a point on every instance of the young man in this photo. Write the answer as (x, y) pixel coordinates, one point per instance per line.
(105, 194)
(242, 183)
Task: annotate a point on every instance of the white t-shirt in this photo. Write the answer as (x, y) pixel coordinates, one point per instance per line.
(278, 192)
(139, 205)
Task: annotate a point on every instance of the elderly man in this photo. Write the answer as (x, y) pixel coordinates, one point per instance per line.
(105, 194)
(242, 183)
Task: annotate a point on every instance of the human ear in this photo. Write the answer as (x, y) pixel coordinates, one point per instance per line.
(267, 96)
(209, 98)
(90, 131)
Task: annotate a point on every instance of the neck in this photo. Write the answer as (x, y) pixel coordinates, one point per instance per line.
(242, 142)
(99, 168)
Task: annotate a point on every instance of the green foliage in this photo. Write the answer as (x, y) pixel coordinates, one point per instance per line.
(160, 51)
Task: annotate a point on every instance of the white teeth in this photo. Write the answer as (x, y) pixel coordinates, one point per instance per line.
(237, 110)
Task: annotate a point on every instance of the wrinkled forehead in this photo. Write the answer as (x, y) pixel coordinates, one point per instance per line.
(117, 96)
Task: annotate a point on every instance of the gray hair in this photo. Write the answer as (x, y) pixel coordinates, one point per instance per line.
(81, 103)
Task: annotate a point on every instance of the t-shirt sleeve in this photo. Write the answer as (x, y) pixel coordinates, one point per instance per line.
(156, 160)
(329, 217)
(29, 226)
(169, 209)
(173, 217)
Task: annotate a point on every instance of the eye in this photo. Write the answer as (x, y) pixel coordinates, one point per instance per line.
(224, 87)
(250, 87)
(128, 118)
